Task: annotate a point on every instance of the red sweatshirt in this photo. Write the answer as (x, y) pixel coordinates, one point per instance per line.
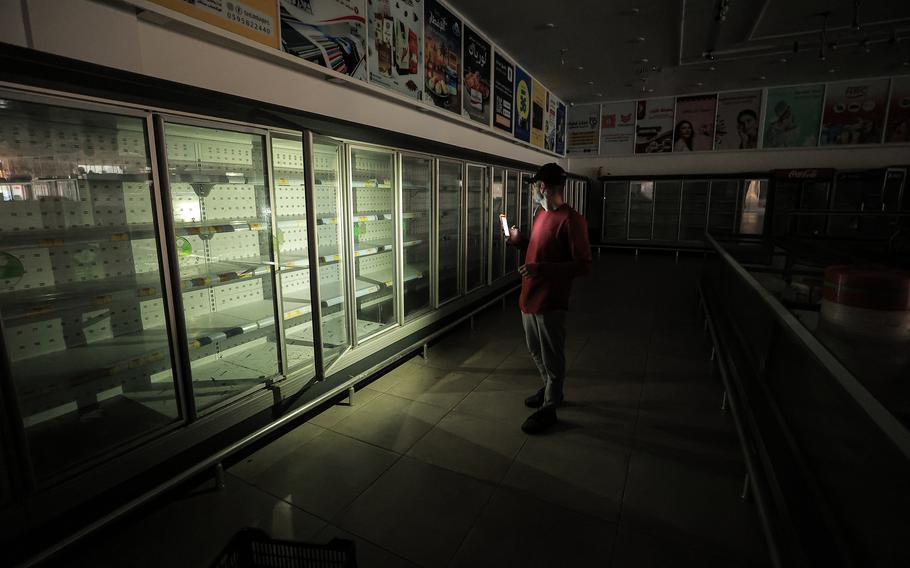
(559, 247)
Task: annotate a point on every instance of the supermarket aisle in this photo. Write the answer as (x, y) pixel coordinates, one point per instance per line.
(430, 468)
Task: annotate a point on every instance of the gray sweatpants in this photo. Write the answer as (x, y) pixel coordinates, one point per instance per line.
(545, 334)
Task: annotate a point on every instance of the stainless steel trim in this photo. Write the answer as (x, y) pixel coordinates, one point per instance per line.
(172, 296)
(398, 223)
(434, 233)
(313, 254)
(277, 287)
(212, 124)
(66, 100)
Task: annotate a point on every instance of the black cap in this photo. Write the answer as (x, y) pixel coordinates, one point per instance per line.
(550, 174)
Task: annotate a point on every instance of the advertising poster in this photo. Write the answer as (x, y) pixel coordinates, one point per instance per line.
(538, 113)
(442, 33)
(899, 112)
(581, 129)
(331, 33)
(503, 92)
(855, 112)
(737, 120)
(792, 116)
(617, 128)
(477, 64)
(549, 128)
(522, 105)
(561, 128)
(694, 128)
(654, 126)
(253, 19)
(395, 32)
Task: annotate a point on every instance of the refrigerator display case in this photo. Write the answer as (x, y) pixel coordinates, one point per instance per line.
(372, 198)
(328, 196)
(723, 203)
(513, 213)
(416, 230)
(84, 325)
(222, 226)
(526, 199)
(477, 216)
(449, 222)
(496, 237)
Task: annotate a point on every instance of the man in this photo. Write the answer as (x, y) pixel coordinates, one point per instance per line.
(556, 252)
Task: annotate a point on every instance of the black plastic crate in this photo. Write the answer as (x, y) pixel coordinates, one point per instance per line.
(253, 548)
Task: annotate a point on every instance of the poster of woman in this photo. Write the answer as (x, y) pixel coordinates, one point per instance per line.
(898, 130)
(792, 116)
(737, 123)
(694, 130)
(855, 112)
(654, 126)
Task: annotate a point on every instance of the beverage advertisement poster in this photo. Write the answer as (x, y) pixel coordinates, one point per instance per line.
(395, 32)
(522, 105)
(561, 128)
(503, 92)
(581, 129)
(442, 52)
(331, 33)
(898, 130)
(654, 126)
(538, 113)
(549, 129)
(855, 112)
(477, 64)
(617, 128)
(253, 19)
(737, 122)
(694, 128)
(792, 116)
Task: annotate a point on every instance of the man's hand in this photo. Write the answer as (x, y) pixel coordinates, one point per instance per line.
(513, 235)
(529, 270)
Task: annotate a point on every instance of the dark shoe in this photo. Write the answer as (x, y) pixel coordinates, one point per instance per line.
(535, 400)
(540, 421)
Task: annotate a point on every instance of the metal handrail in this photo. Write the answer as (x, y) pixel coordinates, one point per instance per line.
(847, 213)
(890, 426)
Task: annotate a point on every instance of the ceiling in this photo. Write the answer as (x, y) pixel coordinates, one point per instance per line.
(592, 50)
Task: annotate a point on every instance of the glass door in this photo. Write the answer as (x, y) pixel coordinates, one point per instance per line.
(328, 196)
(223, 232)
(416, 230)
(289, 184)
(374, 218)
(497, 239)
(667, 202)
(615, 211)
(512, 212)
(641, 210)
(694, 216)
(722, 205)
(85, 331)
(527, 206)
(476, 249)
(449, 224)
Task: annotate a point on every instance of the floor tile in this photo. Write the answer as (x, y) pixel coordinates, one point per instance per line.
(691, 503)
(338, 412)
(418, 511)
(498, 403)
(637, 550)
(275, 451)
(326, 474)
(368, 554)
(439, 387)
(470, 445)
(391, 422)
(687, 365)
(519, 530)
(194, 527)
(582, 475)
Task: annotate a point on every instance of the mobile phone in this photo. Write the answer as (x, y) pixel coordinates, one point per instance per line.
(505, 225)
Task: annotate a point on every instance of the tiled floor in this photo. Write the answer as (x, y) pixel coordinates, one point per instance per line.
(430, 468)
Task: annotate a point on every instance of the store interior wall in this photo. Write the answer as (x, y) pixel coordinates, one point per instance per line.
(743, 161)
(110, 33)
